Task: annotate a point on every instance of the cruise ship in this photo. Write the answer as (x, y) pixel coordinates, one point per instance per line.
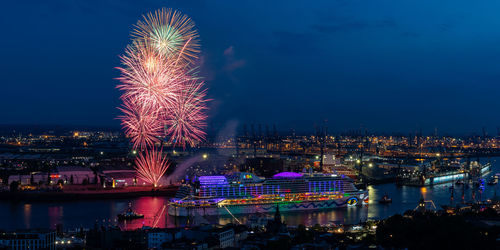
(466, 171)
(245, 193)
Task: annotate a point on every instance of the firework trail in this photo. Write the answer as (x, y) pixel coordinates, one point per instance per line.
(188, 115)
(151, 166)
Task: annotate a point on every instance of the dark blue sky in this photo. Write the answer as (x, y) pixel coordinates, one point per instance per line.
(384, 65)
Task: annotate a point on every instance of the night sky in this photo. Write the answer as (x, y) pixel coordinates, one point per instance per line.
(382, 65)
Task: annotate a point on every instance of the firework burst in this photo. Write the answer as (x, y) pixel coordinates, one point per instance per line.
(149, 77)
(170, 33)
(187, 119)
(141, 124)
(151, 166)
(161, 93)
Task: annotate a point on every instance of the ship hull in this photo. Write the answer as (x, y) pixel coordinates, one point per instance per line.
(360, 198)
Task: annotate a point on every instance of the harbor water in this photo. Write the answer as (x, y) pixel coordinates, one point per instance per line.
(88, 213)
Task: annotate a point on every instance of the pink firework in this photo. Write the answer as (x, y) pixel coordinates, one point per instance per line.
(141, 123)
(149, 77)
(151, 166)
(187, 116)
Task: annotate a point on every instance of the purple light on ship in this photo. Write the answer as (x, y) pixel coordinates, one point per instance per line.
(213, 180)
(287, 175)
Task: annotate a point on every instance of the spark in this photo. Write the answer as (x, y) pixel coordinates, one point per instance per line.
(149, 78)
(170, 33)
(151, 166)
(188, 115)
(141, 124)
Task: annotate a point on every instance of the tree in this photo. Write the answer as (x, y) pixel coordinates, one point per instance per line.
(429, 230)
(302, 235)
(14, 186)
(102, 180)
(317, 227)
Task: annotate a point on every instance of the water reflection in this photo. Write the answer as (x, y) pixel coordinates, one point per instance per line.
(55, 216)
(27, 215)
(153, 209)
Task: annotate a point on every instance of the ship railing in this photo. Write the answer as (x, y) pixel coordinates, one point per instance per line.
(196, 201)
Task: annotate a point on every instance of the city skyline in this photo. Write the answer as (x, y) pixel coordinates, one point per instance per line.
(249, 125)
(289, 68)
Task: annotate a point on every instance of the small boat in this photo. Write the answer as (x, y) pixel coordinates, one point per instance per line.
(129, 214)
(493, 181)
(385, 200)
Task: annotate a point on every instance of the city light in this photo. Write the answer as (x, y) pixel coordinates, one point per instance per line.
(333, 126)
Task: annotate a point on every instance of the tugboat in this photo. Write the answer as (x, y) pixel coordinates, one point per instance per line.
(129, 214)
(385, 200)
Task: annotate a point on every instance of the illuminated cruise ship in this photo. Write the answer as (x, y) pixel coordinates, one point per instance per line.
(245, 193)
(465, 172)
